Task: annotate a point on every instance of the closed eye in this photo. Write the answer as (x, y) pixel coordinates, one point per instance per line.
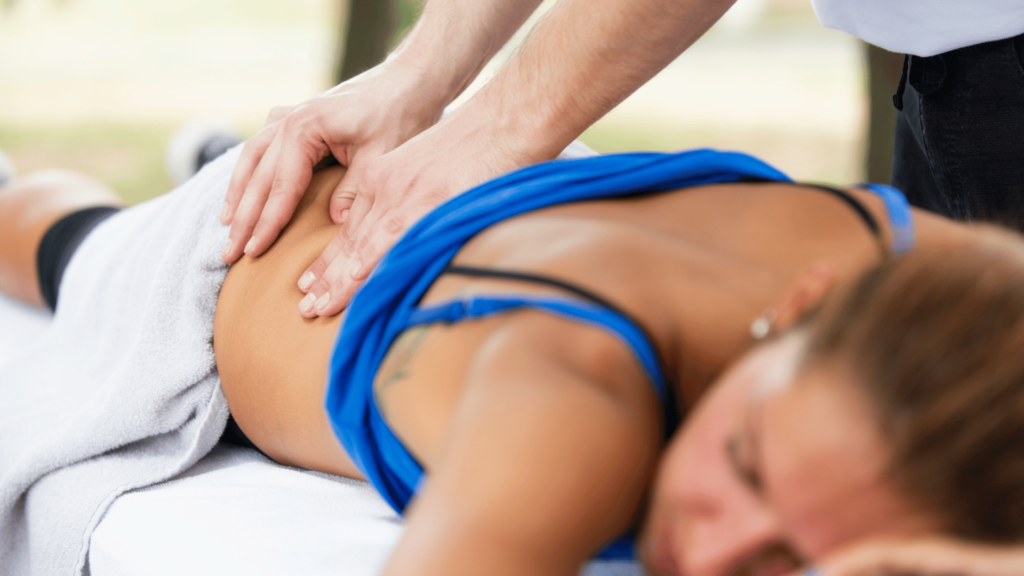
(739, 462)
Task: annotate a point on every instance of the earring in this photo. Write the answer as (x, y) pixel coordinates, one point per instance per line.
(762, 325)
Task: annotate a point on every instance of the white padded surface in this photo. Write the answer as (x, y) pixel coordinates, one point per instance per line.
(237, 512)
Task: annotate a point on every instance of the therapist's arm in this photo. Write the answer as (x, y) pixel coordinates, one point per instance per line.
(363, 118)
(585, 57)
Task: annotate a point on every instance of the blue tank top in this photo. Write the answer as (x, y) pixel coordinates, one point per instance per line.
(387, 303)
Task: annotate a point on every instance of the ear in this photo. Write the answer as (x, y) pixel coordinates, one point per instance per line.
(806, 291)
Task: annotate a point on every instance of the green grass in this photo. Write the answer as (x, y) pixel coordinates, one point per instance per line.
(129, 158)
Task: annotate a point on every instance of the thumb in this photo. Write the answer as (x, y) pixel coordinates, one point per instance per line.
(344, 195)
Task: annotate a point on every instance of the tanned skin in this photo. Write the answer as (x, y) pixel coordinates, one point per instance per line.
(539, 435)
(29, 206)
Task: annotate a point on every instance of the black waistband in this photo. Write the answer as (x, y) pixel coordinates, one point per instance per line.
(59, 244)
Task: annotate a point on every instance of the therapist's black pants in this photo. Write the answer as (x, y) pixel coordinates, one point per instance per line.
(959, 147)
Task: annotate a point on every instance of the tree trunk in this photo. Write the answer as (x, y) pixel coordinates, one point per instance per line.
(364, 37)
(883, 76)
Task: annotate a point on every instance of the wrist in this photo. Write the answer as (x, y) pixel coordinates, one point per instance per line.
(433, 65)
(530, 120)
(497, 126)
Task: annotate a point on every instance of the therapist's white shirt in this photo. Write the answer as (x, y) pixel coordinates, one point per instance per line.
(923, 27)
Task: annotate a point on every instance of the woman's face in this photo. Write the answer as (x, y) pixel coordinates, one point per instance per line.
(774, 469)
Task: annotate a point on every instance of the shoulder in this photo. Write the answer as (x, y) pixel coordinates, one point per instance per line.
(539, 351)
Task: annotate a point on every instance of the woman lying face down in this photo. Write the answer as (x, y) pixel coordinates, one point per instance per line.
(894, 414)
(518, 414)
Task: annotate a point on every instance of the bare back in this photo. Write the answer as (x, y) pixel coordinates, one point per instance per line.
(693, 266)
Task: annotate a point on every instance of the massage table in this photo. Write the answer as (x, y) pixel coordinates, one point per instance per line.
(237, 512)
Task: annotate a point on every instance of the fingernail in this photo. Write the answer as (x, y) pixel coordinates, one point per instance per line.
(306, 304)
(251, 245)
(224, 214)
(227, 250)
(306, 281)
(321, 304)
(353, 272)
(344, 216)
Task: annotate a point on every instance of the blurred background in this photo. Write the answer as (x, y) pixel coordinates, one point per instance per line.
(99, 85)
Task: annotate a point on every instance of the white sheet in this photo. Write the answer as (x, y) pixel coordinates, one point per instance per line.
(259, 518)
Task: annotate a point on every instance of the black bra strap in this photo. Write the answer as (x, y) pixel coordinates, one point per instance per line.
(535, 279)
(859, 208)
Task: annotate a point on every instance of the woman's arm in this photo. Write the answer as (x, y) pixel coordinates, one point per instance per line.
(544, 461)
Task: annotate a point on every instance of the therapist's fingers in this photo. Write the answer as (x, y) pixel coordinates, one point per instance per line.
(378, 232)
(251, 205)
(316, 270)
(344, 194)
(328, 294)
(334, 278)
(294, 170)
(363, 202)
(343, 200)
(252, 151)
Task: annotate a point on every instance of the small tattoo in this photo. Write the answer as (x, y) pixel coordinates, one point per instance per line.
(399, 357)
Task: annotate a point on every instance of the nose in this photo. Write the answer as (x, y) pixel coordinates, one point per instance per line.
(721, 534)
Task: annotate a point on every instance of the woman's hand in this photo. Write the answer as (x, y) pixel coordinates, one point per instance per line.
(356, 121)
(924, 557)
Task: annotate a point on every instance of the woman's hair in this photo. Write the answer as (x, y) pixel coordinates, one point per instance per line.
(935, 341)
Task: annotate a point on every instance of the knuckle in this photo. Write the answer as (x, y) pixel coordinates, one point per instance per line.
(344, 196)
(361, 243)
(317, 268)
(275, 221)
(394, 224)
(279, 186)
(320, 286)
(244, 223)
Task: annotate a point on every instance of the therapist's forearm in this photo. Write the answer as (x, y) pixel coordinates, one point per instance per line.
(583, 59)
(454, 39)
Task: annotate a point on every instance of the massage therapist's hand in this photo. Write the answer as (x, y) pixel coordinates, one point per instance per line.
(356, 121)
(924, 557)
(581, 60)
(467, 147)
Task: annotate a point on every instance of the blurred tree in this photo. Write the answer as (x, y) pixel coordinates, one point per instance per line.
(883, 76)
(368, 30)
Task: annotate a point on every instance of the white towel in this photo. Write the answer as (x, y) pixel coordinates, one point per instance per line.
(121, 391)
